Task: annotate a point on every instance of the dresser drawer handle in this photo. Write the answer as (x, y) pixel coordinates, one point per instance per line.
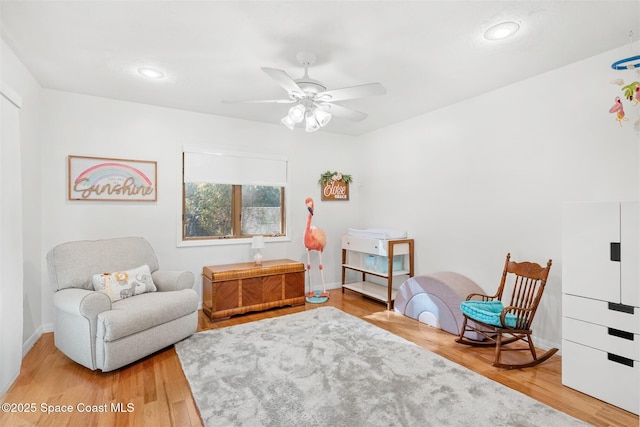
(614, 251)
(620, 359)
(621, 308)
(621, 334)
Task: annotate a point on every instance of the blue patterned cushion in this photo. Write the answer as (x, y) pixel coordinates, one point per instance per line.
(487, 312)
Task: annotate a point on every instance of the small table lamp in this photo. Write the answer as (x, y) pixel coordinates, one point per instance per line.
(257, 243)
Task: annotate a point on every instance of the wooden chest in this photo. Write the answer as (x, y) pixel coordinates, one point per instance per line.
(239, 288)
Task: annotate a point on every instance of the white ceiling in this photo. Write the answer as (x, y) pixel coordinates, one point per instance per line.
(428, 54)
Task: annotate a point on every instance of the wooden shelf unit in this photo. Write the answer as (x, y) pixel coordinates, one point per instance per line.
(355, 251)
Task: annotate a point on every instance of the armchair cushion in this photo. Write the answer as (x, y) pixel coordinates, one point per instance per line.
(124, 284)
(132, 315)
(487, 312)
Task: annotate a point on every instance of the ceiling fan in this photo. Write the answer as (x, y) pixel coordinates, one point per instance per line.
(314, 104)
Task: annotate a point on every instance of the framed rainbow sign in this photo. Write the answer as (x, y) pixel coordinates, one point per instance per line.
(105, 179)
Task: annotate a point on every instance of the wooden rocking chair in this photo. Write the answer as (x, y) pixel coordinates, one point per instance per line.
(502, 324)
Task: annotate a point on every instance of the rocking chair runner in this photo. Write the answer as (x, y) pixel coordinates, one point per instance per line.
(502, 324)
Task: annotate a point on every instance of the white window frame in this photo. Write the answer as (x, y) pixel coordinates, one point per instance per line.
(234, 240)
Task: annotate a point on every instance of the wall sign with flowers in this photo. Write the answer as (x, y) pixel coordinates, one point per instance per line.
(335, 185)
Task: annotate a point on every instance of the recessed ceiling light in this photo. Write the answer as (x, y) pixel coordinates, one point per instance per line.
(150, 73)
(501, 31)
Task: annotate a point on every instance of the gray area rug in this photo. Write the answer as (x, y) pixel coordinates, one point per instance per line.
(323, 367)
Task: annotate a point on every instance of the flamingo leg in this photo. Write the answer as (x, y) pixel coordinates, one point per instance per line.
(310, 293)
(321, 267)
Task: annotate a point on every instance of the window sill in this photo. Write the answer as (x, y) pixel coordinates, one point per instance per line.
(228, 241)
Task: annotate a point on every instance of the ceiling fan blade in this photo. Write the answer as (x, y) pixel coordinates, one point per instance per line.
(262, 101)
(352, 92)
(283, 79)
(343, 112)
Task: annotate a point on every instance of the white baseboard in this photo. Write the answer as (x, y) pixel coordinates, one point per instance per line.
(543, 344)
(318, 286)
(31, 341)
(26, 346)
(9, 384)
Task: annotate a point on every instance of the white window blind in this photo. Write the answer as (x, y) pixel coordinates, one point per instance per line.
(234, 168)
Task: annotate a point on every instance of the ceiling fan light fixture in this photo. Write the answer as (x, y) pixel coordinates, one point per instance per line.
(502, 30)
(312, 101)
(322, 117)
(296, 113)
(311, 124)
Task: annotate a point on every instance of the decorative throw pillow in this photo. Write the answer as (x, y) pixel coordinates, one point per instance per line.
(124, 284)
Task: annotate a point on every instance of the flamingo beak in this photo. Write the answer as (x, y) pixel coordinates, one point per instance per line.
(310, 210)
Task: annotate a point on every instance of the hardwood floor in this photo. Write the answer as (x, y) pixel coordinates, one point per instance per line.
(154, 391)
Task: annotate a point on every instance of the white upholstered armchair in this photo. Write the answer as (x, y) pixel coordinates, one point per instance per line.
(137, 310)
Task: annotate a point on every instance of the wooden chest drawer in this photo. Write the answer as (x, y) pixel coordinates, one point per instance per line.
(233, 289)
(592, 371)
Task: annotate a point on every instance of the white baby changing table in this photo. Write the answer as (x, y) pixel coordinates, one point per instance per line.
(380, 253)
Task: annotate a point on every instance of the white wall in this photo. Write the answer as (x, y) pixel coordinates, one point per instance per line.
(469, 182)
(16, 75)
(487, 176)
(11, 282)
(91, 126)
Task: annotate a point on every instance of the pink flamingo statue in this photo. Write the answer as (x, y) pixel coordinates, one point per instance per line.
(314, 240)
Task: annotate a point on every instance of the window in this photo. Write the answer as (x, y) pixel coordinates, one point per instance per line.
(232, 195)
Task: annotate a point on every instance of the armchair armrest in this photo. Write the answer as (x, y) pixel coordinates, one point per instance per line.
(167, 280)
(76, 319)
(82, 302)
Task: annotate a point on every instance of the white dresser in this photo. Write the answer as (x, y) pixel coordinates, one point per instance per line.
(601, 301)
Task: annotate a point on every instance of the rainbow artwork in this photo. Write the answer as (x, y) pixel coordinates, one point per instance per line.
(110, 180)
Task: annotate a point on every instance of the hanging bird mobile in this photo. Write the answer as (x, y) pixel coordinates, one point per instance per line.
(314, 240)
(630, 92)
(618, 108)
